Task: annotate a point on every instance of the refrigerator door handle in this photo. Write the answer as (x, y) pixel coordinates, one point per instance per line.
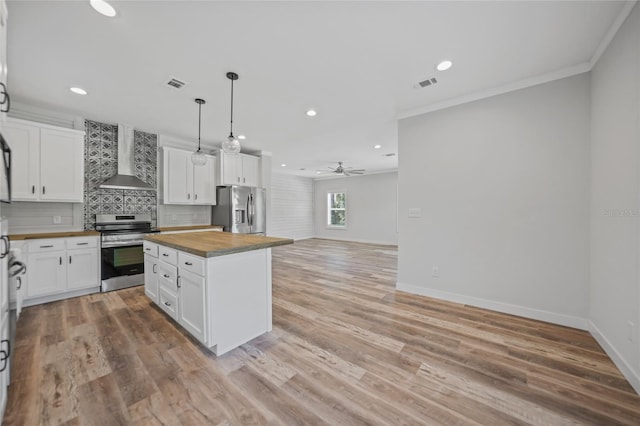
(248, 211)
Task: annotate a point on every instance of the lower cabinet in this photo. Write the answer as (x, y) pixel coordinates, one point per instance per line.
(46, 273)
(151, 277)
(180, 284)
(57, 266)
(191, 303)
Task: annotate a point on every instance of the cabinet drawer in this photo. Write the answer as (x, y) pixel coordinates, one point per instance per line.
(81, 242)
(168, 302)
(191, 263)
(52, 244)
(151, 249)
(168, 276)
(168, 255)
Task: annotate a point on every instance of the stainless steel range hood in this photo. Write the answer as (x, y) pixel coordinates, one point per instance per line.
(125, 179)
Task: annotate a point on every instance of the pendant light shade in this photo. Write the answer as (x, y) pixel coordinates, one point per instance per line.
(232, 144)
(198, 158)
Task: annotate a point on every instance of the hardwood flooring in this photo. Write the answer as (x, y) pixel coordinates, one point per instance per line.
(346, 348)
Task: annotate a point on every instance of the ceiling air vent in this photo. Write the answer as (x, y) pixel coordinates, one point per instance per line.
(175, 83)
(427, 82)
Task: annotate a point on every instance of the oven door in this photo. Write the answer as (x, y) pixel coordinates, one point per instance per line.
(122, 265)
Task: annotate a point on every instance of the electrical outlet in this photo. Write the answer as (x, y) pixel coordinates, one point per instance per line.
(57, 220)
(435, 272)
(415, 212)
(631, 331)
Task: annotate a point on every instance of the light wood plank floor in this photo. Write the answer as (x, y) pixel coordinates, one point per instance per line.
(346, 348)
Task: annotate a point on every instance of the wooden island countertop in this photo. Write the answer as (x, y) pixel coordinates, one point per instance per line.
(211, 244)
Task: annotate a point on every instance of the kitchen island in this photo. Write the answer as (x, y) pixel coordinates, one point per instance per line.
(216, 285)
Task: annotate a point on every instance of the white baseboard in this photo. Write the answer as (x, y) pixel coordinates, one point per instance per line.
(627, 371)
(507, 308)
(357, 240)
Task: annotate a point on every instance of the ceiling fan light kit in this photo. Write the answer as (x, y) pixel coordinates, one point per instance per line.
(231, 145)
(198, 158)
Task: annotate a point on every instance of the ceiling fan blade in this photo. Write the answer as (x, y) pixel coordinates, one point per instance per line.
(356, 172)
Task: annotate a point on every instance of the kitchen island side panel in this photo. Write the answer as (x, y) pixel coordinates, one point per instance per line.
(239, 298)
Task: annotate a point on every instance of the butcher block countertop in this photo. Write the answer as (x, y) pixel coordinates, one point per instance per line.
(18, 237)
(189, 228)
(211, 244)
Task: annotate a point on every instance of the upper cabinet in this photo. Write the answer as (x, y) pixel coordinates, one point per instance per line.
(239, 169)
(184, 183)
(47, 162)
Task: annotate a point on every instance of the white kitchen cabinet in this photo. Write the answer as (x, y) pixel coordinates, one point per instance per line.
(191, 303)
(24, 140)
(151, 271)
(48, 162)
(181, 288)
(61, 267)
(47, 273)
(185, 183)
(82, 268)
(239, 169)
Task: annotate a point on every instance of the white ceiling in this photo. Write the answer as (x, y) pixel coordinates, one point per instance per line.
(357, 63)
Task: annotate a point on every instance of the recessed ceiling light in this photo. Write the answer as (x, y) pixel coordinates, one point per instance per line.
(377, 146)
(318, 172)
(242, 137)
(311, 113)
(444, 65)
(283, 165)
(103, 8)
(78, 91)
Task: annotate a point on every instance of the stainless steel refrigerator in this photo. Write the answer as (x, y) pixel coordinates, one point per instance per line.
(241, 209)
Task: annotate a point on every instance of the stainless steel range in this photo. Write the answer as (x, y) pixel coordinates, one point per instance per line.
(121, 249)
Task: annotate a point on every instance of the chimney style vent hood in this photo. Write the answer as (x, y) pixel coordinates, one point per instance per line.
(125, 179)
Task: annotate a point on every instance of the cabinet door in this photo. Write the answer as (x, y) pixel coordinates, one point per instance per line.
(61, 166)
(230, 165)
(249, 170)
(204, 182)
(178, 177)
(151, 277)
(5, 360)
(46, 273)
(24, 141)
(191, 301)
(82, 269)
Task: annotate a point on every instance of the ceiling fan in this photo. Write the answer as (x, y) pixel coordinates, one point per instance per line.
(343, 171)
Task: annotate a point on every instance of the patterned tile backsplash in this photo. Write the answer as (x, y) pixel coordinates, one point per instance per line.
(101, 162)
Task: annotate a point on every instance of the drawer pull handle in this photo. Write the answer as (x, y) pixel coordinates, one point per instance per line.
(82, 244)
(47, 246)
(165, 254)
(61, 260)
(188, 263)
(147, 249)
(19, 285)
(154, 268)
(167, 303)
(33, 189)
(179, 285)
(44, 190)
(166, 275)
(69, 260)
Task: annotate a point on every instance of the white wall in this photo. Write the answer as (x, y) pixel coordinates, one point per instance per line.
(371, 208)
(503, 185)
(291, 213)
(615, 199)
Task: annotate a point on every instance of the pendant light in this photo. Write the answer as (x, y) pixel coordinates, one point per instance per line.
(232, 144)
(198, 158)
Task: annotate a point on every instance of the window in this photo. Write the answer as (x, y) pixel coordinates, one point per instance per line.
(337, 209)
